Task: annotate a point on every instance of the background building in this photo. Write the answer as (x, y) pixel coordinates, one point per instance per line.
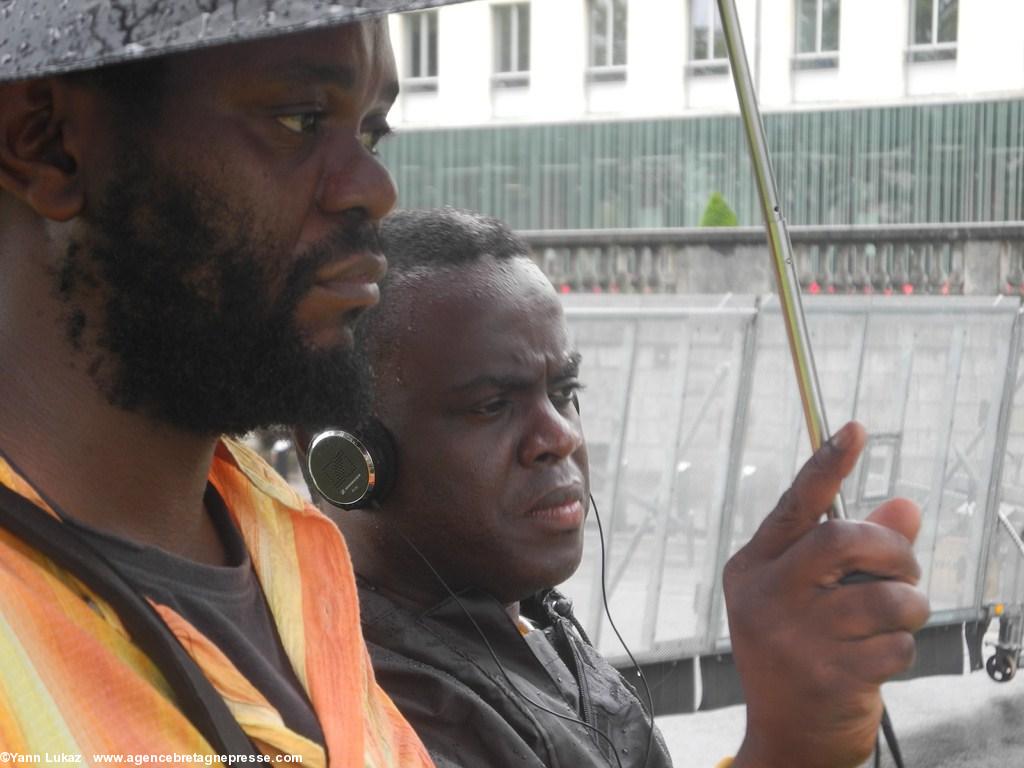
(579, 114)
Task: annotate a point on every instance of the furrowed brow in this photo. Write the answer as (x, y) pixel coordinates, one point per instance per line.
(514, 383)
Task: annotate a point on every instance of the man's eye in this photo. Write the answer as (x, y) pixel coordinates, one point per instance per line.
(302, 122)
(371, 137)
(491, 407)
(564, 395)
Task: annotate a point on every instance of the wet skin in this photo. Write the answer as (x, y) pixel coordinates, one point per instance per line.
(475, 380)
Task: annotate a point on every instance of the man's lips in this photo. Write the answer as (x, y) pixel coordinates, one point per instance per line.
(352, 282)
(363, 267)
(560, 509)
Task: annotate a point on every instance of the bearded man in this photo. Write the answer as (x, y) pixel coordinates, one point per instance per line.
(185, 242)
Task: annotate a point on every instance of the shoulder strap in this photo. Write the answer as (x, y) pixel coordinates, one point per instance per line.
(196, 697)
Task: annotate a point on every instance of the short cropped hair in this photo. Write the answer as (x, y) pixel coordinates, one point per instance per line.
(437, 239)
(422, 243)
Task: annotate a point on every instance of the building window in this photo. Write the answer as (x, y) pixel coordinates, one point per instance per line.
(817, 34)
(933, 29)
(708, 54)
(607, 34)
(512, 44)
(421, 51)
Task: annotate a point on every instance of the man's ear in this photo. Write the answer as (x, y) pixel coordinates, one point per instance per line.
(35, 164)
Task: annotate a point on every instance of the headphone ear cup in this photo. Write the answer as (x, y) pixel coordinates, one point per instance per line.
(385, 453)
(352, 470)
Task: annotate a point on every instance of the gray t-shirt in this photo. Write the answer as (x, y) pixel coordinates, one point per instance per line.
(225, 603)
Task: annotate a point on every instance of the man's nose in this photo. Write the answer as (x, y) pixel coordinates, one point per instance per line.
(356, 179)
(552, 435)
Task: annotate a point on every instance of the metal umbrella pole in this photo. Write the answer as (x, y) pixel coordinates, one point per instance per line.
(786, 278)
(778, 241)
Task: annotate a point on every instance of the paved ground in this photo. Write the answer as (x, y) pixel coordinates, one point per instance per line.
(961, 722)
(941, 722)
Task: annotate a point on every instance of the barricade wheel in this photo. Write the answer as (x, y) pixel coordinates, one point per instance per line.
(1001, 667)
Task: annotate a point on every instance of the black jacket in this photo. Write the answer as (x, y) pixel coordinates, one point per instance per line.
(440, 674)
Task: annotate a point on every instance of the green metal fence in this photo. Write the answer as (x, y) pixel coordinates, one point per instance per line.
(908, 164)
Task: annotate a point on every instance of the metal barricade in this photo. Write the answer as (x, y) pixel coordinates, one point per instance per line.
(695, 429)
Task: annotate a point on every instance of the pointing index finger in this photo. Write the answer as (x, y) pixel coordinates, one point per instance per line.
(811, 494)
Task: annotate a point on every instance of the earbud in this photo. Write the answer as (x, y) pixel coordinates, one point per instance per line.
(352, 470)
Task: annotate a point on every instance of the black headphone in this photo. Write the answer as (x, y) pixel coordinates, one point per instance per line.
(356, 470)
(352, 470)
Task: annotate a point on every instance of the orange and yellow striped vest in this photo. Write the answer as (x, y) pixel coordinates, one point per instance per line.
(72, 682)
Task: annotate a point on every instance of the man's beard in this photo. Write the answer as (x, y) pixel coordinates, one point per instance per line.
(197, 326)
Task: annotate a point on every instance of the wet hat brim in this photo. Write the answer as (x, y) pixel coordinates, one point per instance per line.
(46, 37)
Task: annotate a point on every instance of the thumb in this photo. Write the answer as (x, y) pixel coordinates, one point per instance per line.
(901, 515)
(811, 494)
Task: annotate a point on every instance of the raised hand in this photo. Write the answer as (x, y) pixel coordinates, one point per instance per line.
(812, 652)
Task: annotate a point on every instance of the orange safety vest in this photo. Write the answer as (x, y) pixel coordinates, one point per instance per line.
(73, 683)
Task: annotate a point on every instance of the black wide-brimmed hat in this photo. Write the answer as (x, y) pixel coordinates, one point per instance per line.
(43, 37)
